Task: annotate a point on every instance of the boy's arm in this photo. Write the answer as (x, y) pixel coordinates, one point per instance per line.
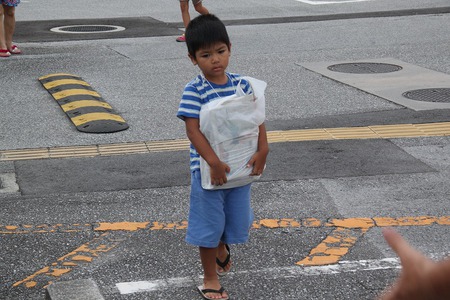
(258, 160)
(201, 144)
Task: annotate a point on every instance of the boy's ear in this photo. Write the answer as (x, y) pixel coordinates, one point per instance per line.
(194, 61)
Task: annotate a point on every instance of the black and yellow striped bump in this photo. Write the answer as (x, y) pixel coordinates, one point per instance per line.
(88, 111)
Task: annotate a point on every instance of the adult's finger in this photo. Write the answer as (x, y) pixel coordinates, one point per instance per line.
(397, 243)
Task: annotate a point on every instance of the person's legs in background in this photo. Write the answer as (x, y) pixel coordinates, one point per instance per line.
(200, 8)
(3, 48)
(9, 27)
(184, 6)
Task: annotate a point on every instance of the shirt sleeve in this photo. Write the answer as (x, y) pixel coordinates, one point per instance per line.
(244, 83)
(246, 87)
(190, 104)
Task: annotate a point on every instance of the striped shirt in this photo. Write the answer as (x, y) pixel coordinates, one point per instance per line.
(200, 91)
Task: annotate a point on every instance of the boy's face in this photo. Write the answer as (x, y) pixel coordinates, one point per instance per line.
(213, 61)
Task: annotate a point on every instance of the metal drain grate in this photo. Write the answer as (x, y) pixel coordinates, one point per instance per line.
(87, 29)
(364, 68)
(429, 95)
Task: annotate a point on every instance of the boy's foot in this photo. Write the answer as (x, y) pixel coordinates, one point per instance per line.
(181, 38)
(211, 294)
(4, 53)
(223, 260)
(14, 50)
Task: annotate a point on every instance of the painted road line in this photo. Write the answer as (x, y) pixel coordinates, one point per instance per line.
(323, 2)
(126, 288)
(346, 223)
(154, 285)
(300, 135)
(329, 251)
(333, 247)
(86, 253)
(85, 107)
(45, 228)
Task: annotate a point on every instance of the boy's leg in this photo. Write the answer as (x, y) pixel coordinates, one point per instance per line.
(238, 215)
(200, 8)
(206, 223)
(10, 24)
(239, 219)
(222, 254)
(210, 280)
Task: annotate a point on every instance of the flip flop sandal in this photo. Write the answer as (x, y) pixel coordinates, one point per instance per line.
(4, 53)
(15, 50)
(203, 292)
(224, 263)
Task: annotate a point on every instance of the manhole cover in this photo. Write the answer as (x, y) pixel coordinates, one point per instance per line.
(364, 68)
(87, 28)
(429, 95)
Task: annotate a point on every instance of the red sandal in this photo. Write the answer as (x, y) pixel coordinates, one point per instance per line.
(15, 50)
(4, 53)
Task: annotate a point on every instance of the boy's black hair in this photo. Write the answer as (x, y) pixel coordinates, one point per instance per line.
(205, 31)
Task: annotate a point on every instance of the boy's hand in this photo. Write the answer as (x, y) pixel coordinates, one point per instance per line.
(258, 162)
(219, 173)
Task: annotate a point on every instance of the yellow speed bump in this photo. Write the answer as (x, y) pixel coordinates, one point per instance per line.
(83, 105)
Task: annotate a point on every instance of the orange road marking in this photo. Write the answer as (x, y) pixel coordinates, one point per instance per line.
(85, 253)
(125, 226)
(333, 247)
(364, 223)
(330, 250)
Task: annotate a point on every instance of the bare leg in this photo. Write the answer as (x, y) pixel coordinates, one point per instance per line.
(10, 24)
(201, 9)
(184, 5)
(2, 29)
(210, 280)
(222, 254)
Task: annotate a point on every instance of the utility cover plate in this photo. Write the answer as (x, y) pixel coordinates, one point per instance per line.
(389, 85)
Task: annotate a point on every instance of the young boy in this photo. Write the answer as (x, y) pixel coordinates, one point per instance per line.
(184, 6)
(220, 217)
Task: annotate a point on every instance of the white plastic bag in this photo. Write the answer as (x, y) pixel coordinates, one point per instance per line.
(231, 125)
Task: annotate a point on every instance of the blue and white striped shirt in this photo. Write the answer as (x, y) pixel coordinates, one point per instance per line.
(199, 92)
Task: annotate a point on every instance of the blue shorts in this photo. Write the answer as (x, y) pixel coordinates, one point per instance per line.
(10, 2)
(218, 215)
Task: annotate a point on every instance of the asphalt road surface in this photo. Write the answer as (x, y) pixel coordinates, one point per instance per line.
(357, 109)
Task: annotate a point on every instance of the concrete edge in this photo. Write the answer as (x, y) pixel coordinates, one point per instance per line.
(80, 289)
